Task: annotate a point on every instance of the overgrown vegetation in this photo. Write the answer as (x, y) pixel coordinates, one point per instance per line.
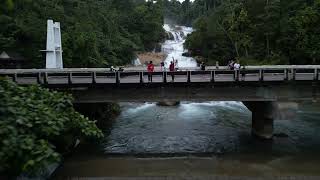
(104, 113)
(34, 123)
(95, 33)
(253, 31)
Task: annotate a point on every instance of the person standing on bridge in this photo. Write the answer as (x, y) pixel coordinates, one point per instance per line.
(202, 66)
(171, 68)
(176, 65)
(150, 71)
(236, 66)
(162, 65)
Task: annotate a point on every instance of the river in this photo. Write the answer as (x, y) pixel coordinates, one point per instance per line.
(198, 139)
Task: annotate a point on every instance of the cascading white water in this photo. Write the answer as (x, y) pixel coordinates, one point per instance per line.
(136, 62)
(174, 48)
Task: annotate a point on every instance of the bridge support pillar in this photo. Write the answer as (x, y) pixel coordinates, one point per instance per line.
(262, 119)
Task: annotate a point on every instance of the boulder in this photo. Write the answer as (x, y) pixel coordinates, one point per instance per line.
(168, 103)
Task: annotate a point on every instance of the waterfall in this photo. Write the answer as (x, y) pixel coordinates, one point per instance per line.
(136, 62)
(174, 47)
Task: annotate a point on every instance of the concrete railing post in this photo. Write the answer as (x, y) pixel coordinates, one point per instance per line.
(70, 79)
(15, 77)
(164, 77)
(243, 74)
(141, 77)
(261, 75)
(45, 78)
(212, 76)
(293, 71)
(286, 74)
(94, 77)
(316, 75)
(237, 73)
(117, 77)
(189, 76)
(39, 81)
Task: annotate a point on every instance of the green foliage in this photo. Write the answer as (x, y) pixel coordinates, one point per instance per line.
(104, 113)
(265, 31)
(186, 12)
(31, 121)
(94, 33)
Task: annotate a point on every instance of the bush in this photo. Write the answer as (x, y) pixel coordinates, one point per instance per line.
(31, 120)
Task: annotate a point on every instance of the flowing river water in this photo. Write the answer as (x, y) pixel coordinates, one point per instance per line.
(198, 139)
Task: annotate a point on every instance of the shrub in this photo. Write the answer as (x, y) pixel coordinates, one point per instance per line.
(31, 120)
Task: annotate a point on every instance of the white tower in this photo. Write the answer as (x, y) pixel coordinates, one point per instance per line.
(54, 47)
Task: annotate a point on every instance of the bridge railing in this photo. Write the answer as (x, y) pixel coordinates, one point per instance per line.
(94, 76)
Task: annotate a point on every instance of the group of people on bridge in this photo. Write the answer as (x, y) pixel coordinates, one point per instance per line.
(233, 65)
(172, 67)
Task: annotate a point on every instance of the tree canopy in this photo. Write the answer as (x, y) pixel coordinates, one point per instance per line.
(255, 31)
(95, 33)
(98, 33)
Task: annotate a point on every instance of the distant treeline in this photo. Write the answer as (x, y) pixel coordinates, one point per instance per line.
(95, 33)
(98, 33)
(254, 31)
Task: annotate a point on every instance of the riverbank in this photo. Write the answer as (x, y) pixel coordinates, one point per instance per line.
(132, 167)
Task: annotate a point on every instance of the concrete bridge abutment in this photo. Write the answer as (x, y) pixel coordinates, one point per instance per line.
(262, 118)
(264, 113)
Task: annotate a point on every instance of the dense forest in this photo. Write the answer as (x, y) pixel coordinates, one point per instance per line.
(186, 12)
(95, 33)
(254, 31)
(100, 33)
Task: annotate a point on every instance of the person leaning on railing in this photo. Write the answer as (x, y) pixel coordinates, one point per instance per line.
(112, 69)
(172, 68)
(150, 71)
(202, 66)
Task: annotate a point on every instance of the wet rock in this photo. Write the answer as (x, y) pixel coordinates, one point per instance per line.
(169, 36)
(186, 54)
(168, 103)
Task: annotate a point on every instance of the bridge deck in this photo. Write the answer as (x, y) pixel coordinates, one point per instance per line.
(80, 77)
(252, 84)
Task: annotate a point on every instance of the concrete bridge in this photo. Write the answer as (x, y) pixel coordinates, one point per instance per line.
(270, 92)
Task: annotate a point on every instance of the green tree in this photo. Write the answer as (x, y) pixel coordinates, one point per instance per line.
(259, 32)
(34, 123)
(94, 33)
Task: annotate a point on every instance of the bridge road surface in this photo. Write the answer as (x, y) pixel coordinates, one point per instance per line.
(130, 75)
(199, 78)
